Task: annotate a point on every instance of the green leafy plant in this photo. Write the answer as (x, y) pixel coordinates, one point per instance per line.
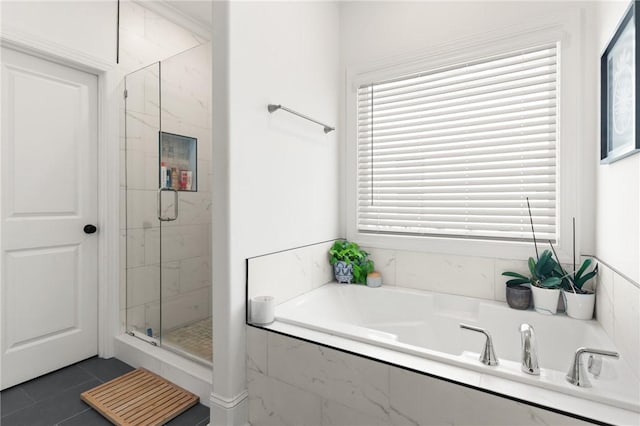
(575, 281)
(352, 254)
(542, 272)
(548, 273)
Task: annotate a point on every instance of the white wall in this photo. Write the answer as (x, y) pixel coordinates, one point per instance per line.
(617, 227)
(618, 184)
(378, 30)
(609, 195)
(88, 27)
(374, 33)
(282, 171)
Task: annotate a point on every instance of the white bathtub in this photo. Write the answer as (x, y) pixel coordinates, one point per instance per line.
(426, 325)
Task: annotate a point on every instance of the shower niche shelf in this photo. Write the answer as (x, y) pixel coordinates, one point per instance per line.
(178, 167)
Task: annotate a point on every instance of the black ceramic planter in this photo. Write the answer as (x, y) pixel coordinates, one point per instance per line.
(519, 297)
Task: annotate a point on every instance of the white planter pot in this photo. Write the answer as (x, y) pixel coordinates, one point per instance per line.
(545, 300)
(579, 306)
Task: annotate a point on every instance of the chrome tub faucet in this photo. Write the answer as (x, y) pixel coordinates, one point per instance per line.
(487, 356)
(577, 374)
(529, 351)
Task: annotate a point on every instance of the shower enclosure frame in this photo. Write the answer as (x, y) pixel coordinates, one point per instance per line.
(166, 225)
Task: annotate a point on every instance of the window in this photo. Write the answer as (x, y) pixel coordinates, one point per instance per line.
(456, 151)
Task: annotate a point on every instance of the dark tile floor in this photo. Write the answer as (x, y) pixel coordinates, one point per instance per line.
(54, 399)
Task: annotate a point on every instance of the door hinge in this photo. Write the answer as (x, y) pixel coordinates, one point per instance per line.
(126, 93)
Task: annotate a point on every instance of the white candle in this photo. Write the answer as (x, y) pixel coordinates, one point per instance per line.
(262, 310)
(374, 279)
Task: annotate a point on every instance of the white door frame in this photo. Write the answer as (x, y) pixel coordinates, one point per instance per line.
(108, 161)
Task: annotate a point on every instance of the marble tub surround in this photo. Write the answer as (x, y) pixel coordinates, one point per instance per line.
(427, 324)
(289, 276)
(293, 382)
(482, 278)
(473, 276)
(290, 273)
(271, 391)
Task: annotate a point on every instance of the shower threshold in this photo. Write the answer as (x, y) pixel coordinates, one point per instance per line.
(195, 376)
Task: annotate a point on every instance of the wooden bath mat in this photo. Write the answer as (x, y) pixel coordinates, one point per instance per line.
(139, 398)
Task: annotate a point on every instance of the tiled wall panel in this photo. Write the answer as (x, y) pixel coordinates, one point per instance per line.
(292, 382)
(290, 273)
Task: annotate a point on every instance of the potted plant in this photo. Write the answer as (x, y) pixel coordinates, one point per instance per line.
(545, 284)
(350, 262)
(517, 291)
(578, 300)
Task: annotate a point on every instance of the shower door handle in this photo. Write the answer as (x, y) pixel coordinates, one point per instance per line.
(175, 205)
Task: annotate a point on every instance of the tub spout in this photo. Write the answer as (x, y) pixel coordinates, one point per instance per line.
(529, 350)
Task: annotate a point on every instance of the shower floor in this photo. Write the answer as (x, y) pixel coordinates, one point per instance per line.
(194, 339)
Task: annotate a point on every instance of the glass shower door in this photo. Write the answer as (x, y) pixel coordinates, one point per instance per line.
(185, 146)
(168, 203)
(142, 229)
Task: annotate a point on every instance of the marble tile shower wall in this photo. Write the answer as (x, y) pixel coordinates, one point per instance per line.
(291, 382)
(186, 268)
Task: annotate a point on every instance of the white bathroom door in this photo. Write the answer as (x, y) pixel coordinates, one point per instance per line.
(48, 269)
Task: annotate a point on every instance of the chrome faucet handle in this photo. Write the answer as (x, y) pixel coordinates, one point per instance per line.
(594, 365)
(529, 355)
(577, 374)
(487, 356)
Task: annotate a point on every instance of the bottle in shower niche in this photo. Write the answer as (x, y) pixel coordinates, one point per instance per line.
(175, 181)
(163, 175)
(186, 178)
(189, 180)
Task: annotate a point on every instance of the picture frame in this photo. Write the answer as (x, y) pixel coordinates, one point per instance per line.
(619, 82)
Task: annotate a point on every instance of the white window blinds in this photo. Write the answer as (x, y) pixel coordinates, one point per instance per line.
(456, 151)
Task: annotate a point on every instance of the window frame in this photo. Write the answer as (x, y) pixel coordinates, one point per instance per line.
(566, 31)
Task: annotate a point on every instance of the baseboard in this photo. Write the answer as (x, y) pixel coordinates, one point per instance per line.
(229, 411)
